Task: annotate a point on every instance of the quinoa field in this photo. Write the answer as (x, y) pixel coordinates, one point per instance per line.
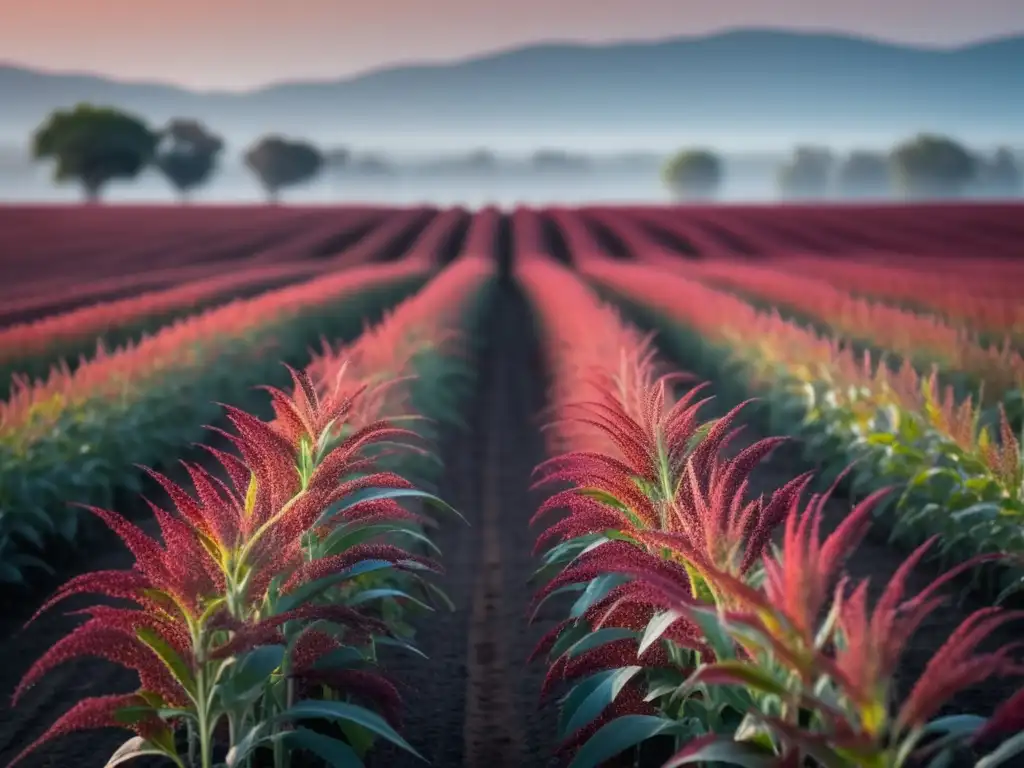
(605, 486)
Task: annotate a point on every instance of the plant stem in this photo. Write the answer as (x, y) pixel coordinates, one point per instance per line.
(203, 719)
(191, 743)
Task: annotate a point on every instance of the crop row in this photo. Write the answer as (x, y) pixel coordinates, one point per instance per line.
(31, 349)
(68, 435)
(263, 605)
(925, 339)
(112, 268)
(687, 625)
(958, 233)
(300, 558)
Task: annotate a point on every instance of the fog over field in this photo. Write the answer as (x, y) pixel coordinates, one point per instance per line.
(409, 179)
(620, 110)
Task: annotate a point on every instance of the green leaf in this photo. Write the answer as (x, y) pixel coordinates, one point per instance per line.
(359, 738)
(656, 627)
(440, 594)
(336, 754)
(169, 657)
(135, 747)
(395, 642)
(619, 735)
(739, 673)
(258, 734)
(986, 510)
(253, 670)
(340, 658)
(381, 593)
(344, 538)
(712, 628)
(375, 494)
(719, 749)
(308, 591)
(569, 636)
(959, 724)
(343, 711)
(579, 692)
(596, 590)
(598, 638)
(1009, 748)
(598, 699)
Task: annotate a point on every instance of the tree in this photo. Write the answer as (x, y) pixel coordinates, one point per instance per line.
(94, 145)
(807, 174)
(865, 174)
(933, 166)
(279, 162)
(1001, 176)
(694, 174)
(187, 155)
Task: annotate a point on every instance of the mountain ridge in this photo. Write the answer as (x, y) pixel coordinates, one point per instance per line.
(793, 84)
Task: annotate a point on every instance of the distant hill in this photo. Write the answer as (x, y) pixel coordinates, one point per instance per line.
(736, 85)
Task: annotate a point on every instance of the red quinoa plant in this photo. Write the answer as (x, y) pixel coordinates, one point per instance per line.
(960, 466)
(923, 338)
(231, 621)
(691, 624)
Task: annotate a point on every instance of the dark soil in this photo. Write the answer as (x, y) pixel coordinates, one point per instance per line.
(41, 303)
(554, 241)
(476, 702)
(609, 241)
(729, 239)
(456, 240)
(405, 239)
(344, 239)
(673, 241)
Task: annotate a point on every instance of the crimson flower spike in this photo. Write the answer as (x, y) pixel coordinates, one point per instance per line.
(874, 641)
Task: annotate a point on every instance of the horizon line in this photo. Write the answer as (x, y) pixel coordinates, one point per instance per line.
(443, 63)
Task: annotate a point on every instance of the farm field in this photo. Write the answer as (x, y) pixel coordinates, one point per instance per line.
(478, 519)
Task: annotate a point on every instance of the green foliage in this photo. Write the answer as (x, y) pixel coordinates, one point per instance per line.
(864, 174)
(84, 456)
(94, 145)
(694, 174)
(279, 162)
(933, 166)
(808, 174)
(187, 154)
(944, 489)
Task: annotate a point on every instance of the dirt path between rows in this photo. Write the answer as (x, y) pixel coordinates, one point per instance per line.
(475, 703)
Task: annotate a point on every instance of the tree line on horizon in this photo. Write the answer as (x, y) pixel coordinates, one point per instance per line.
(94, 145)
(921, 167)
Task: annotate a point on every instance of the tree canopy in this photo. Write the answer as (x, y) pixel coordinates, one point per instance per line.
(279, 162)
(694, 173)
(94, 145)
(187, 154)
(807, 174)
(929, 165)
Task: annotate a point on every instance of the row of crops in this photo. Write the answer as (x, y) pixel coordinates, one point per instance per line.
(719, 626)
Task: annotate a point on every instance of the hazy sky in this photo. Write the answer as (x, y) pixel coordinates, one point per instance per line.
(243, 43)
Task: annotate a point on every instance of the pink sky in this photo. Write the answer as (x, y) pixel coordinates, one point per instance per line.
(244, 43)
